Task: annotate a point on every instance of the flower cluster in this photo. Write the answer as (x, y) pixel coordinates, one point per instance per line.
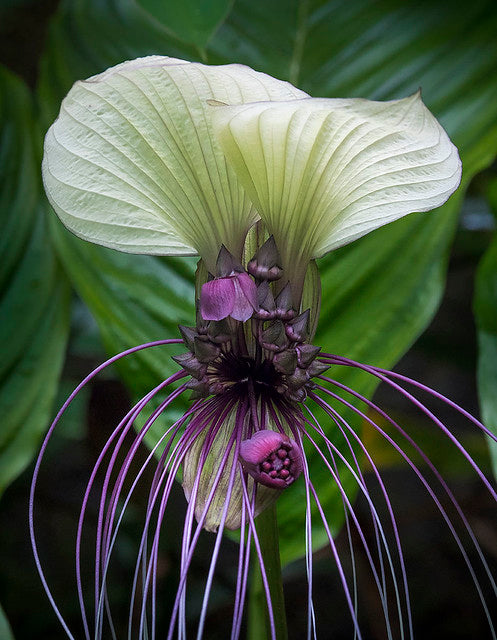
(166, 157)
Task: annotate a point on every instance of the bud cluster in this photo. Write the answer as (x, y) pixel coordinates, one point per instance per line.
(218, 357)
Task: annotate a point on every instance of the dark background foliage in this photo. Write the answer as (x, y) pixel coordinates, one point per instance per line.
(65, 303)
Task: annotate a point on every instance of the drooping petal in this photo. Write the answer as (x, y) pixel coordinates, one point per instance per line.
(323, 172)
(245, 297)
(217, 299)
(131, 162)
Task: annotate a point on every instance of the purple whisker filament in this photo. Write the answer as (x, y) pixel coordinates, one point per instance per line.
(269, 415)
(249, 453)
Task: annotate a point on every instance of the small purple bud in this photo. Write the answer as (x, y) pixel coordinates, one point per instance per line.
(298, 378)
(274, 338)
(265, 297)
(271, 458)
(317, 368)
(191, 364)
(306, 353)
(226, 265)
(298, 328)
(219, 331)
(188, 334)
(265, 264)
(199, 388)
(284, 304)
(205, 351)
(285, 361)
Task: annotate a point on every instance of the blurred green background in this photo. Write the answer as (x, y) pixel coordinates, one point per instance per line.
(64, 304)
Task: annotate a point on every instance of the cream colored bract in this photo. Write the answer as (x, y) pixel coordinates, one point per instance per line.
(323, 172)
(162, 156)
(131, 162)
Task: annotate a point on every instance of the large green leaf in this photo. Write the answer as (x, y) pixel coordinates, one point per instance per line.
(5, 630)
(379, 293)
(34, 300)
(190, 20)
(135, 299)
(485, 307)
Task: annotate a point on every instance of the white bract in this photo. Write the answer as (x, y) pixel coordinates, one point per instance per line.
(168, 157)
(324, 172)
(131, 162)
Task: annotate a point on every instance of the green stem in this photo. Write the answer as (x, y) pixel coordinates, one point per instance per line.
(267, 531)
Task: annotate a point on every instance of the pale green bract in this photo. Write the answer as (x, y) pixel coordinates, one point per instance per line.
(324, 172)
(168, 157)
(131, 162)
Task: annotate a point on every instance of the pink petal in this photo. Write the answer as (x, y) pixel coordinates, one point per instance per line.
(248, 287)
(217, 299)
(245, 297)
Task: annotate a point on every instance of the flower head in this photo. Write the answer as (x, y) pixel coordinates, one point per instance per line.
(167, 157)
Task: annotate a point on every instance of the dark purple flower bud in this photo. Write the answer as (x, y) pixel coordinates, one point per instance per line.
(298, 329)
(317, 368)
(265, 264)
(226, 265)
(271, 458)
(219, 331)
(199, 388)
(306, 353)
(205, 351)
(191, 364)
(234, 296)
(285, 361)
(284, 303)
(274, 338)
(188, 334)
(298, 378)
(265, 297)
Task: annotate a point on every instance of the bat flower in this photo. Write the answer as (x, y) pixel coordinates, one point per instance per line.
(168, 157)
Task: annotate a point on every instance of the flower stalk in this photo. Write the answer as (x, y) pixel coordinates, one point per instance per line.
(267, 530)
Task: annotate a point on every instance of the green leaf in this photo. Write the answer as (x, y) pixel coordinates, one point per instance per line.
(134, 299)
(5, 630)
(87, 36)
(34, 300)
(380, 292)
(485, 307)
(190, 20)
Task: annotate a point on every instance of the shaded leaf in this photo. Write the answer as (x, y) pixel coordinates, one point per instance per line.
(485, 307)
(5, 630)
(190, 20)
(134, 299)
(34, 296)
